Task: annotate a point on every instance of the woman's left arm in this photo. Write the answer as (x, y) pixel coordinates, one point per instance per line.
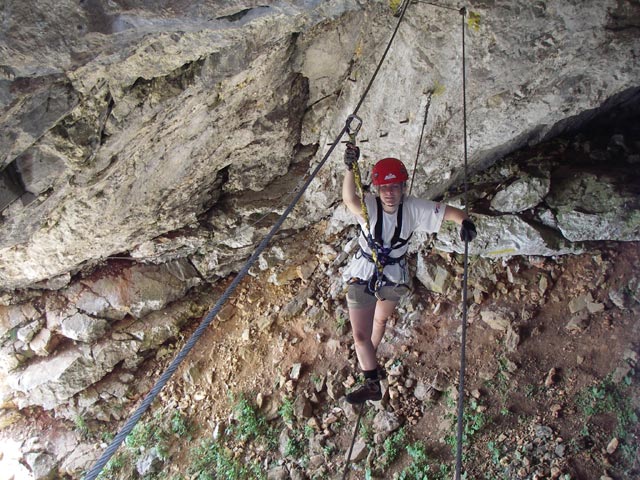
(467, 229)
(454, 214)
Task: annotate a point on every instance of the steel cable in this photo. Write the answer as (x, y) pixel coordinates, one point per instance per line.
(463, 339)
(95, 470)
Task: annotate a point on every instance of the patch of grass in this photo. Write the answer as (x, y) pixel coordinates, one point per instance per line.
(81, 426)
(438, 89)
(494, 450)
(140, 436)
(341, 323)
(210, 461)
(180, 425)
(393, 446)
(251, 423)
(473, 421)
(294, 448)
(474, 21)
(419, 469)
(113, 466)
(607, 397)
(286, 411)
(394, 5)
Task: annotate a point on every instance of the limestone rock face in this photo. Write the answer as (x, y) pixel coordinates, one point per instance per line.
(168, 132)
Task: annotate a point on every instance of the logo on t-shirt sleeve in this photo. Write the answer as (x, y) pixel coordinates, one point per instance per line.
(437, 208)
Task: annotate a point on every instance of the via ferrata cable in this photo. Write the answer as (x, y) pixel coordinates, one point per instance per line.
(126, 429)
(463, 339)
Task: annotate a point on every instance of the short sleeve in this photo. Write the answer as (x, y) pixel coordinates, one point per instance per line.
(427, 214)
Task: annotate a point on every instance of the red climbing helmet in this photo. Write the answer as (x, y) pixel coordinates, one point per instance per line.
(389, 170)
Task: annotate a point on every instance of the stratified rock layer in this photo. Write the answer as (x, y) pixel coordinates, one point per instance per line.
(166, 132)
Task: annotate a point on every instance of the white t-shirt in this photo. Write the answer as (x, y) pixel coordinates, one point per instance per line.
(418, 215)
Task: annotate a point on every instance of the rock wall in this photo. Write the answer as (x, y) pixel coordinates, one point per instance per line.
(146, 151)
(155, 129)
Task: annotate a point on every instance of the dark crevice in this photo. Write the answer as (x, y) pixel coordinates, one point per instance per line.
(236, 17)
(11, 186)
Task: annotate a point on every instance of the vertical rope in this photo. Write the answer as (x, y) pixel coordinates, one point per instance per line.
(463, 339)
(353, 441)
(424, 123)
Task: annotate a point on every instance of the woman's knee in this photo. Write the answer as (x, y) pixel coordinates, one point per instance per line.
(381, 321)
(360, 336)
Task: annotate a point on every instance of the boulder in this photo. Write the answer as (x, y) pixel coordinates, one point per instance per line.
(523, 194)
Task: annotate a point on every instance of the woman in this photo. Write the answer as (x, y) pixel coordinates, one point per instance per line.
(377, 275)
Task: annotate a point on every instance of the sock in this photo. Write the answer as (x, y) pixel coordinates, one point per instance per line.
(371, 374)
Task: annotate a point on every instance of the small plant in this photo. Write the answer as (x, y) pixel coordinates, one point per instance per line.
(341, 323)
(394, 5)
(309, 431)
(140, 436)
(286, 411)
(494, 450)
(610, 398)
(294, 448)
(329, 450)
(113, 466)
(473, 421)
(419, 468)
(393, 446)
(251, 423)
(474, 21)
(81, 425)
(211, 460)
(180, 425)
(530, 390)
(438, 89)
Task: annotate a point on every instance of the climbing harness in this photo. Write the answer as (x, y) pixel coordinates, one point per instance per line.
(381, 255)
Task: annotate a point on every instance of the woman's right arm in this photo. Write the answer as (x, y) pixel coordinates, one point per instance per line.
(349, 195)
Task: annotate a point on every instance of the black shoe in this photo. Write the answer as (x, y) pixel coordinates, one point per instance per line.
(382, 373)
(369, 390)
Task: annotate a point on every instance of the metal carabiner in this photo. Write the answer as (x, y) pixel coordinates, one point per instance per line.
(352, 132)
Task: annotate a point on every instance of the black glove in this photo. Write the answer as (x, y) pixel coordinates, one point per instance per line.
(468, 230)
(351, 155)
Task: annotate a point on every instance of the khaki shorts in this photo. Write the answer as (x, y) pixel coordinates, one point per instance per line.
(358, 297)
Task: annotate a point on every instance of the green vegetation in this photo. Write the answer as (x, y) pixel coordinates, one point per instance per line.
(251, 423)
(472, 422)
(474, 21)
(438, 89)
(210, 461)
(113, 466)
(609, 398)
(81, 426)
(154, 433)
(180, 425)
(341, 323)
(394, 5)
(393, 446)
(286, 411)
(419, 467)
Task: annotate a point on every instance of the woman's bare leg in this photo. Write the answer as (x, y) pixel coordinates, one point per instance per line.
(362, 325)
(383, 310)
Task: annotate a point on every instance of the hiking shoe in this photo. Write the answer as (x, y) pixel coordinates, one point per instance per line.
(382, 373)
(369, 390)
